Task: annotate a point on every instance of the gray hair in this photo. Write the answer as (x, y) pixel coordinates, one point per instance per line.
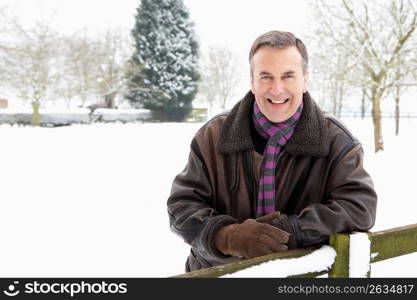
(280, 40)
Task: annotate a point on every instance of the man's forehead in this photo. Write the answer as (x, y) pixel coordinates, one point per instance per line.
(286, 59)
(277, 69)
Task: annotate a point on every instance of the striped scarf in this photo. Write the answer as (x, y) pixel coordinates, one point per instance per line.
(278, 134)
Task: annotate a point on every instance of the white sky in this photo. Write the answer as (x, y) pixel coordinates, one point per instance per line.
(233, 23)
(230, 23)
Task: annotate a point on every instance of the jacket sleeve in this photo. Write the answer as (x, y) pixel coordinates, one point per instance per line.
(350, 206)
(190, 207)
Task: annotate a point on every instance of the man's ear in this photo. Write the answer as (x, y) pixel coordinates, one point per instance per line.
(305, 87)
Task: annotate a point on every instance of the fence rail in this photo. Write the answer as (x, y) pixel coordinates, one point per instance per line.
(385, 244)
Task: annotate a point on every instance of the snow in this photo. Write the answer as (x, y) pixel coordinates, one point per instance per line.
(319, 260)
(392, 171)
(121, 115)
(59, 116)
(90, 200)
(359, 254)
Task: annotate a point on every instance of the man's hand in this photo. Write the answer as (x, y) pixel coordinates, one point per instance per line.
(280, 221)
(250, 239)
(269, 217)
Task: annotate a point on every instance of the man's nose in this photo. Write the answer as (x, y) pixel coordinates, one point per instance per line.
(277, 87)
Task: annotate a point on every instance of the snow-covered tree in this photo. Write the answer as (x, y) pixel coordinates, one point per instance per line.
(166, 59)
(95, 67)
(113, 52)
(375, 38)
(220, 76)
(31, 63)
(29, 60)
(80, 61)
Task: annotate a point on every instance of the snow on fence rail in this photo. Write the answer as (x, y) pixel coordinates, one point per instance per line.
(352, 258)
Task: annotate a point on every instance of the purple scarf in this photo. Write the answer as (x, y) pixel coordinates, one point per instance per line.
(278, 134)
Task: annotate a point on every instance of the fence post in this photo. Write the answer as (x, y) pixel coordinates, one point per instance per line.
(340, 267)
(360, 255)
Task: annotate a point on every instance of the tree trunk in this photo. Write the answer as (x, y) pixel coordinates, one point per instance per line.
(109, 100)
(323, 95)
(376, 117)
(363, 108)
(397, 111)
(333, 95)
(223, 103)
(340, 100)
(35, 113)
(339, 108)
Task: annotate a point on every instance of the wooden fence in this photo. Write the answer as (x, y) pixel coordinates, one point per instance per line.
(384, 244)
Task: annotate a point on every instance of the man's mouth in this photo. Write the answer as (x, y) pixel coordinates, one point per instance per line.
(278, 101)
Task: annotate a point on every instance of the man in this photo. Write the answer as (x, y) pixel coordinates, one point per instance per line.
(272, 174)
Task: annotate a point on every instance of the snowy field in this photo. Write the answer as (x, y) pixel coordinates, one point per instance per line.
(90, 200)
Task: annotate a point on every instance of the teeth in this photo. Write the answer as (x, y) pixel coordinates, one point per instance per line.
(278, 102)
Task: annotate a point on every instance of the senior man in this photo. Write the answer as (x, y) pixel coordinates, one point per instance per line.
(274, 173)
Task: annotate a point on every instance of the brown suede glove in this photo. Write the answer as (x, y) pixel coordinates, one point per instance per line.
(250, 239)
(268, 218)
(280, 221)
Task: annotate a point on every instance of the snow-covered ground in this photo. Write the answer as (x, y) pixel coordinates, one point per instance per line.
(90, 200)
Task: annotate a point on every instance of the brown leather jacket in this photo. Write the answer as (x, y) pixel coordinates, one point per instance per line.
(321, 183)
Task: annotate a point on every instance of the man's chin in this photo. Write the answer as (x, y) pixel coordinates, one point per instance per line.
(276, 119)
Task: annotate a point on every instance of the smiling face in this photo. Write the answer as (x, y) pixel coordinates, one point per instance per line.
(278, 81)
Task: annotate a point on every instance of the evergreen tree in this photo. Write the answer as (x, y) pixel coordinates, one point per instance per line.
(164, 77)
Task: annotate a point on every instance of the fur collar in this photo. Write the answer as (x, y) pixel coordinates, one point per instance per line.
(310, 137)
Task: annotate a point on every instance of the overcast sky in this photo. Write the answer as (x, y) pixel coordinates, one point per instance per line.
(233, 23)
(230, 23)
(218, 22)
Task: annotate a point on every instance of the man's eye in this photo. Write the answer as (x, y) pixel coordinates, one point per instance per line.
(288, 76)
(265, 77)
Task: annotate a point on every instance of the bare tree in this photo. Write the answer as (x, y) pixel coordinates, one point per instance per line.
(38, 64)
(375, 33)
(3, 26)
(31, 62)
(330, 76)
(5, 46)
(80, 64)
(220, 75)
(113, 52)
(403, 70)
(96, 66)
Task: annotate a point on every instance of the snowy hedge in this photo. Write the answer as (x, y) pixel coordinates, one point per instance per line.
(121, 115)
(50, 117)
